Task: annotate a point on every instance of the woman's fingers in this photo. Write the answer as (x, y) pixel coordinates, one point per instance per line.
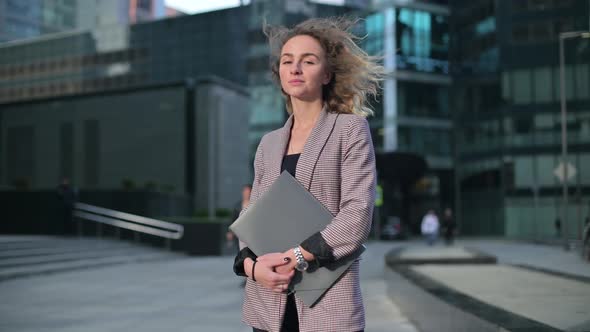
(273, 259)
(269, 257)
(281, 288)
(283, 269)
(268, 278)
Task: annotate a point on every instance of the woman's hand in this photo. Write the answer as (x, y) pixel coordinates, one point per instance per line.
(287, 259)
(265, 274)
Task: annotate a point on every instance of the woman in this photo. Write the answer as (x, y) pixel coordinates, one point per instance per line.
(326, 144)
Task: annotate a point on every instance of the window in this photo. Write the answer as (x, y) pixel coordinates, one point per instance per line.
(374, 30)
(520, 33)
(582, 81)
(563, 25)
(541, 31)
(524, 124)
(486, 26)
(542, 85)
(522, 86)
(569, 83)
(541, 4)
(519, 5)
(506, 87)
(423, 41)
(412, 100)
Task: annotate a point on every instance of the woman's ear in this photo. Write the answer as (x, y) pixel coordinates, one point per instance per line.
(327, 78)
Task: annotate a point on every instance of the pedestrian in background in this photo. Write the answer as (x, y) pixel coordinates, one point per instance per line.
(429, 227)
(557, 227)
(449, 226)
(326, 79)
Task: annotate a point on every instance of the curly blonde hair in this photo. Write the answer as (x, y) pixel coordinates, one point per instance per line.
(355, 75)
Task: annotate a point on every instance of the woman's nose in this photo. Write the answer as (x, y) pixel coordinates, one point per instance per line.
(296, 68)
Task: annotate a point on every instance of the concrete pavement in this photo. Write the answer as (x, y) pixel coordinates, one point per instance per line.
(184, 293)
(179, 294)
(549, 257)
(382, 314)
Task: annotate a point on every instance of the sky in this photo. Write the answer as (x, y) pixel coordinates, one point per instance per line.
(199, 6)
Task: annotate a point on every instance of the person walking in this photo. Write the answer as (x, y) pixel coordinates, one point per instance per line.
(429, 227)
(326, 79)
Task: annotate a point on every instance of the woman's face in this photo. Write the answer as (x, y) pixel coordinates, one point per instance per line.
(303, 68)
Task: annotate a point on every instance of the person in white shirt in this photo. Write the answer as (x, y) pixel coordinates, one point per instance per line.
(430, 227)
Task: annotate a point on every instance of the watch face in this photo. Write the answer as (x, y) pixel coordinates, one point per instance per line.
(302, 266)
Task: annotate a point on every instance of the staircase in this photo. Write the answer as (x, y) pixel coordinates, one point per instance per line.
(23, 256)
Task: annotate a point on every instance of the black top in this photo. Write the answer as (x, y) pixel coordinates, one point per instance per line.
(289, 163)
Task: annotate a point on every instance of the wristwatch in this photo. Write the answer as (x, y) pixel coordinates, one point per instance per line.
(302, 264)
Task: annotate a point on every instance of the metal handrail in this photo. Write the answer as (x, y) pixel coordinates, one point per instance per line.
(129, 221)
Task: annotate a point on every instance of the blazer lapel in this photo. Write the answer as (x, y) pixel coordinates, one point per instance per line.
(313, 147)
(277, 150)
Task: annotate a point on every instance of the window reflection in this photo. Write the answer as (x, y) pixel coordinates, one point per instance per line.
(423, 41)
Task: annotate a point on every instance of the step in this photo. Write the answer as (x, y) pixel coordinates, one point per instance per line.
(42, 269)
(69, 256)
(53, 242)
(61, 249)
(24, 256)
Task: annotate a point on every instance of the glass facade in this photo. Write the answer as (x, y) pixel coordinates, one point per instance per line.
(413, 102)
(509, 142)
(474, 38)
(412, 116)
(27, 19)
(422, 42)
(124, 56)
(422, 39)
(19, 19)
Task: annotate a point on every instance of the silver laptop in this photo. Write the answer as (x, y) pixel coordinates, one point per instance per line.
(283, 217)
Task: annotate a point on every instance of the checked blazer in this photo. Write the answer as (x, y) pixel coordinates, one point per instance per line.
(337, 166)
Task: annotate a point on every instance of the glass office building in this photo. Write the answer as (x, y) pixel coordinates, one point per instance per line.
(413, 116)
(152, 103)
(507, 98)
(20, 19)
(121, 56)
(27, 19)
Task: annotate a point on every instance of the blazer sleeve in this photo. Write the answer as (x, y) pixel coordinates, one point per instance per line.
(245, 252)
(351, 226)
(258, 173)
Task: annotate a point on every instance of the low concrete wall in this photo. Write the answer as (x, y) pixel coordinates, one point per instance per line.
(429, 312)
(434, 307)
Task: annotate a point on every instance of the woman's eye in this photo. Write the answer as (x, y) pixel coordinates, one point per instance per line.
(309, 62)
(286, 62)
